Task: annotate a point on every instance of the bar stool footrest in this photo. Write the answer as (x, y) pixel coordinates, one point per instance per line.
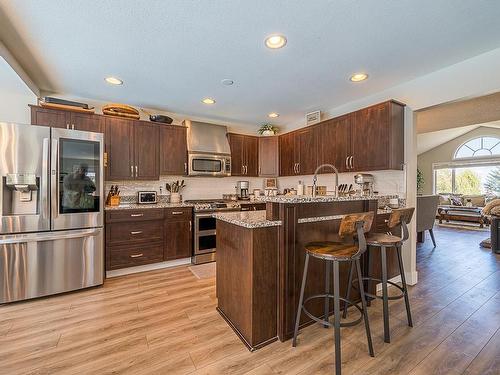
(327, 322)
(390, 298)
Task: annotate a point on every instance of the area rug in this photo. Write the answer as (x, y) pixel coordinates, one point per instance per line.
(464, 226)
(203, 271)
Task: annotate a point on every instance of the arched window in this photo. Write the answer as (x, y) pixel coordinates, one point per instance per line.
(479, 147)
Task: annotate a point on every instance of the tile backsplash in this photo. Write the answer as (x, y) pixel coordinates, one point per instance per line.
(386, 183)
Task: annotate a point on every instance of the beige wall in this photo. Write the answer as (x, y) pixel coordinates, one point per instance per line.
(445, 153)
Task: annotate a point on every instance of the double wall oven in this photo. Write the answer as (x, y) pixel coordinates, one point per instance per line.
(205, 233)
(51, 211)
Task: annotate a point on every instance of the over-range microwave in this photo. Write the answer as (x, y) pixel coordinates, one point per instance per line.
(210, 165)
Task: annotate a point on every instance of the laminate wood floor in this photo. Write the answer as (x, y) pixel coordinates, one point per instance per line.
(164, 322)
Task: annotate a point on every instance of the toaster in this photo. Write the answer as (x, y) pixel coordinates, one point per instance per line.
(147, 197)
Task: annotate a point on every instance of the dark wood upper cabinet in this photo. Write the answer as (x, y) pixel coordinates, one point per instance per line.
(252, 156)
(306, 150)
(173, 150)
(50, 117)
(377, 137)
(119, 146)
(268, 156)
(87, 122)
(334, 142)
(244, 155)
(287, 162)
(146, 151)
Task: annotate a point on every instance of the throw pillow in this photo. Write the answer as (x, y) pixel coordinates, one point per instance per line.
(456, 201)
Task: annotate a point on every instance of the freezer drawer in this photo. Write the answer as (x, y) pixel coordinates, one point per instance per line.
(40, 264)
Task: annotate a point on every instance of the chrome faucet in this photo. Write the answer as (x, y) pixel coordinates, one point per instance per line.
(315, 179)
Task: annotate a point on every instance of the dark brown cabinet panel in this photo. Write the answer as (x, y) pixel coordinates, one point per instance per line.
(377, 140)
(146, 151)
(252, 156)
(173, 150)
(236, 143)
(288, 166)
(50, 117)
(268, 156)
(334, 142)
(306, 150)
(86, 122)
(119, 144)
(178, 239)
(244, 155)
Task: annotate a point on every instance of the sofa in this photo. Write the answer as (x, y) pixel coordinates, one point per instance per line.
(468, 208)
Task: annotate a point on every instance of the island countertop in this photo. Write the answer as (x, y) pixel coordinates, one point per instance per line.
(247, 219)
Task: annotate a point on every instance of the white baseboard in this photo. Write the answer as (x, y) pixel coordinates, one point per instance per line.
(148, 267)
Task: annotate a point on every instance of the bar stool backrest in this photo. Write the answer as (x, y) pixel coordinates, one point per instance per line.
(401, 217)
(348, 224)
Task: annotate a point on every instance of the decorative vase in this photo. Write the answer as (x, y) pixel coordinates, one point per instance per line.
(175, 198)
(267, 133)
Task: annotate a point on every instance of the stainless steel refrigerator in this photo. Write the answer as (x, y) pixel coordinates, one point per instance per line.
(51, 211)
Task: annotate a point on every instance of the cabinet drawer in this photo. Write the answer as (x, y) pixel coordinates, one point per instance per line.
(134, 256)
(181, 213)
(134, 215)
(127, 232)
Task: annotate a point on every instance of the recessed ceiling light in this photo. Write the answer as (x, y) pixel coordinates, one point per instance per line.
(208, 101)
(358, 77)
(273, 115)
(227, 82)
(275, 41)
(113, 80)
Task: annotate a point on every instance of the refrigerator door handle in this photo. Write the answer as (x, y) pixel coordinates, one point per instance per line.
(48, 236)
(44, 184)
(54, 172)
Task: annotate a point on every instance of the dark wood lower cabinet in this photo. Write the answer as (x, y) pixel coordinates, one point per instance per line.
(150, 235)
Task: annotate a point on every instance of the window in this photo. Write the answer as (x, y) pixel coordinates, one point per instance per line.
(467, 180)
(479, 147)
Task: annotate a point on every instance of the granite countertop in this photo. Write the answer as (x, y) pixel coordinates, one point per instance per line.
(311, 199)
(135, 206)
(315, 219)
(247, 219)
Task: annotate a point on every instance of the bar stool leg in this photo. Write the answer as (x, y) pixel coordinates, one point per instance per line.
(336, 312)
(369, 282)
(348, 293)
(385, 295)
(327, 291)
(365, 310)
(301, 299)
(405, 288)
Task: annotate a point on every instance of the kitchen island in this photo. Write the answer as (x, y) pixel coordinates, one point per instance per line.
(261, 258)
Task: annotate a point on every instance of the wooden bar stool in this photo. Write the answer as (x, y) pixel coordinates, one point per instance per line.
(383, 241)
(349, 247)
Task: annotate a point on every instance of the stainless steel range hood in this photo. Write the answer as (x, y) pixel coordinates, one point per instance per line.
(209, 153)
(205, 138)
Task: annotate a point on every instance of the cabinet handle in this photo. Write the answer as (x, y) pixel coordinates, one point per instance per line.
(73, 126)
(298, 168)
(242, 169)
(352, 158)
(136, 232)
(346, 162)
(136, 169)
(105, 159)
(186, 168)
(136, 215)
(136, 255)
(190, 226)
(177, 212)
(246, 169)
(131, 171)
(67, 126)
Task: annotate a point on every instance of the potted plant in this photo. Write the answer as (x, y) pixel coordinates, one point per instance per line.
(268, 129)
(420, 181)
(175, 190)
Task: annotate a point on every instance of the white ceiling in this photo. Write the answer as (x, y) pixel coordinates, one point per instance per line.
(173, 53)
(428, 141)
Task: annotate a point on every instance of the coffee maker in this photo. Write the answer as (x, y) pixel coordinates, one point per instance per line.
(365, 182)
(242, 188)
